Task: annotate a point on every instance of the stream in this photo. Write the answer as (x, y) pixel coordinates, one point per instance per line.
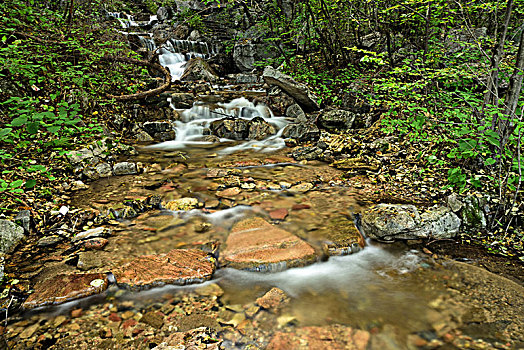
(352, 293)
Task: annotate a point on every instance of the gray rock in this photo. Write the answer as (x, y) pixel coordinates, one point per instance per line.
(143, 136)
(454, 203)
(125, 168)
(104, 170)
(245, 78)
(23, 218)
(242, 129)
(165, 13)
(301, 132)
(337, 119)
(198, 69)
(299, 92)
(388, 222)
(92, 233)
(182, 99)
(308, 153)
(48, 241)
(160, 130)
(472, 213)
(294, 111)
(195, 36)
(244, 56)
(10, 235)
(81, 156)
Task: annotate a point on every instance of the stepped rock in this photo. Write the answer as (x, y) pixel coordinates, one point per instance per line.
(254, 244)
(63, 288)
(179, 266)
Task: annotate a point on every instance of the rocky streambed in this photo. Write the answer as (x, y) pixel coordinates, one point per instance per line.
(251, 250)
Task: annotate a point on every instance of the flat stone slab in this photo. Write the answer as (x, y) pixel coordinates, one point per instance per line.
(333, 337)
(63, 288)
(178, 267)
(255, 244)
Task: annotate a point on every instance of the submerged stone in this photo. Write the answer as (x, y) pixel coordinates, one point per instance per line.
(63, 288)
(332, 337)
(185, 204)
(179, 267)
(254, 244)
(340, 237)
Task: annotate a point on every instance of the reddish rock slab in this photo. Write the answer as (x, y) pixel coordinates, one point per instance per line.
(94, 243)
(254, 244)
(333, 337)
(63, 288)
(229, 192)
(278, 214)
(179, 266)
(300, 206)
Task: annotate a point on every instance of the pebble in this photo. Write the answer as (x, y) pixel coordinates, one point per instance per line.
(76, 313)
(278, 214)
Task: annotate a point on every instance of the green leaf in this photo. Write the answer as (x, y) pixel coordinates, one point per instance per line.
(5, 131)
(30, 183)
(54, 129)
(32, 127)
(16, 183)
(489, 161)
(18, 121)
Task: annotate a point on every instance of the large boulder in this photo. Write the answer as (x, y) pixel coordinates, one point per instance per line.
(299, 92)
(295, 112)
(198, 69)
(301, 132)
(165, 13)
(10, 235)
(340, 237)
(256, 245)
(388, 222)
(160, 130)
(337, 119)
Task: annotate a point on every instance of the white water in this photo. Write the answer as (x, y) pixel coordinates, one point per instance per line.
(127, 21)
(190, 129)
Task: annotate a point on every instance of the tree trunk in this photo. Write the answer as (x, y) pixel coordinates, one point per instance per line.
(492, 96)
(505, 127)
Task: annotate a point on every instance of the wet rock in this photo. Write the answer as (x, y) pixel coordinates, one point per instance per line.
(301, 187)
(273, 300)
(88, 261)
(92, 233)
(181, 32)
(231, 128)
(153, 318)
(278, 214)
(246, 78)
(333, 337)
(244, 56)
(182, 100)
(23, 218)
(160, 130)
(104, 170)
(337, 119)
(295, 112)
(197, 338)
(81, 156)
(93, 243)
(182, 204)
(301, 132)
(340, 237)
(125, 168)
(179, 267)
(394, 221)
(229, 192)
(212, 289)
(259, 129)
(254, 244)
(308, 153)
(299, 92)
(357, 164)
(49, 241)
(63, 288)
(198, 69)
(10, 236)
(472, 213)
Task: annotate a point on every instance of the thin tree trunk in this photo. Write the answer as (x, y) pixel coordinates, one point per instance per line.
(505, 127)
(492, 96)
